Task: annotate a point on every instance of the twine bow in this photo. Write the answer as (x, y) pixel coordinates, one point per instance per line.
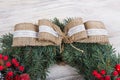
(67, 40)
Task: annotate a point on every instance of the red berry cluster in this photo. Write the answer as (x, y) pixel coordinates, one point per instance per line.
(11, 67)
(102, 75)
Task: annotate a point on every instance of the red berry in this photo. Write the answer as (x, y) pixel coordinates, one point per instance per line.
(98, 76)
(17, 77)
(21, 68)
(103, 72)
(102, 78)
(7, 77)
(1, 68)
(24, 77)
(1, 56)
(115, 73)
(117, 67)
(8, 64)
(5, 58)
(14, 60)
(10, 73)
(16, 64)
(117, 78)
(107, 77)
(94, 72)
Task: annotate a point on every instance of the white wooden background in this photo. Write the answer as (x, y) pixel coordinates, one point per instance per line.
(16, 11)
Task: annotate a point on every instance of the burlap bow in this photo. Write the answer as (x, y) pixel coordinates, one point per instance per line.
(47, 33)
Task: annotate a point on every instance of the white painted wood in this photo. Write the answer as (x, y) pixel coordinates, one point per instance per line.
(63, 72)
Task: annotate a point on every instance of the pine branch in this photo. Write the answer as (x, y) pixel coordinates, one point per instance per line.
(58, 23)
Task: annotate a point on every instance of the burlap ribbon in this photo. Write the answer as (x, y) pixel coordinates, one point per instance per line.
(96, 32)
(46, 33)
(25, 34)
(49, 33)
(74, 31)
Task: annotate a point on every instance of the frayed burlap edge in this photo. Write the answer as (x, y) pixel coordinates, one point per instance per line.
(96, 39)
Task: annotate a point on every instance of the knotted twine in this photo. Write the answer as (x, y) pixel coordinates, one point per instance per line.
(74, 31)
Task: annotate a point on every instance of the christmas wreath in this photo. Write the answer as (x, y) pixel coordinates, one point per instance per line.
(94, 61)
